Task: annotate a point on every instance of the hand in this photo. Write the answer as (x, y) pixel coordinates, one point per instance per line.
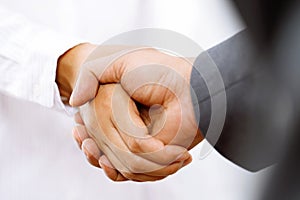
(158, 82)
(68, 68)
(102, 130)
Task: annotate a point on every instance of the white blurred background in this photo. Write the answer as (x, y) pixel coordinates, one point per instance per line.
(38, 157)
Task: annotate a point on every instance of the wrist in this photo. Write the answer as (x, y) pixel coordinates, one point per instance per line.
(68, 67)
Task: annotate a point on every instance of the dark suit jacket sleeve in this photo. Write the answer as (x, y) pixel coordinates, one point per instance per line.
(244, 140)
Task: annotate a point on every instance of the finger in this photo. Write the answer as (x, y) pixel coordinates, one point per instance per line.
(166, 125)
(145, 113)
(92, 152)
(170, 169)
(110, 141)
(158, 174)
(153, 150)
(76, 137)
(134, 133)
(80, 134)
(123, 122)
(188, 161)
(129, 123)
(101, 128)
(115, 175)
(78, 119)
(167, 155)
(110, 171)
(123, 159)
(170, 127)
(128, 163)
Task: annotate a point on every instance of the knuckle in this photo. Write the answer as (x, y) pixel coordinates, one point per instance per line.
(134, 145)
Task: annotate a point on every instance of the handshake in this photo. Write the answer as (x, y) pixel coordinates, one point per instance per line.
(136, 119)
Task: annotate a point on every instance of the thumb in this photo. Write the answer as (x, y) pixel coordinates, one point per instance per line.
(103, 66)
(85, 89)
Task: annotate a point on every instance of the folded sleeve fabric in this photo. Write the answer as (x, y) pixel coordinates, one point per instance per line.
(246, 138)
(28, 60)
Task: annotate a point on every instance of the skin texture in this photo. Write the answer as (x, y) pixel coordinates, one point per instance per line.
(105, 131)
(140, 122)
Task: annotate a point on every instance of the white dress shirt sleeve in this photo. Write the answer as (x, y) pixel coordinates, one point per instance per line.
(28, 60)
